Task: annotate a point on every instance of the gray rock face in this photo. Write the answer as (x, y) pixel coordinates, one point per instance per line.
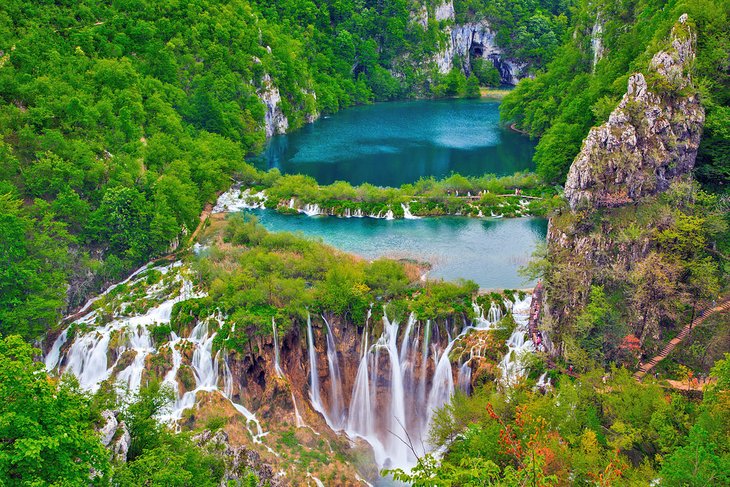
(469, 41)
(275, 122)
(115, 436)
(650, 139)
(476, 40)
(445, 11)
(239, 461)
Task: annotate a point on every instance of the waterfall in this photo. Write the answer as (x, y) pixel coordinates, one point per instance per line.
(397, 393)
(140, 343)
(277, 364)
(542, 383)
(337, 411)
(495, 313)
(87, 359)
(236, 200)
(360, 420)
(54, 354)
(88, 356)
(389, 215)
(511, 365)
(311, 209)
(314, 394)
(442, 387)
(464, 380)
(407, 212)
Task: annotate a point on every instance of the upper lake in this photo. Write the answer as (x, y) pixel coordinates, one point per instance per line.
(389, 144)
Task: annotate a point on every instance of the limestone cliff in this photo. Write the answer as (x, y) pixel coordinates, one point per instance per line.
(648, 144)
(275, 121)
(470, 41)
(649, 140)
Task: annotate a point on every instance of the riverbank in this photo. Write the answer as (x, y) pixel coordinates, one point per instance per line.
(493, 93)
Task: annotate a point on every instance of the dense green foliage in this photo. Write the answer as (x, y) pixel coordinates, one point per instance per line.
(157, 455)
(454, 195)
(46, 427)
(528, 30)
(604, 429)
(572, 95)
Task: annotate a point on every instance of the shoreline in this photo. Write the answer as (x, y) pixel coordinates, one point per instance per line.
(513, 127)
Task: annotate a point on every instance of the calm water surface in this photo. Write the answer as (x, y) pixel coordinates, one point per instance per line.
(388, 144)
(489, 252)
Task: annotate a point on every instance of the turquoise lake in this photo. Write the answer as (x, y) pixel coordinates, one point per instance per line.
(487, 251)
(389, 144)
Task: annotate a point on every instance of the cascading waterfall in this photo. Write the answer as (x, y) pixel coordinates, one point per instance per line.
(517, 344)
(314, 391)
(407, 212)
(311, 209)
(277, 359)
(54, 354)
(377, 412)
(87, 357)
(337, 411)
(401, 378)
(464, 378)
(443, 382)
(140, 343)
(397, 415)
(543, 382)
(360, 419)
(495, 313)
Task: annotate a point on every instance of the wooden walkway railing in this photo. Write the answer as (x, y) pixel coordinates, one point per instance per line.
(645, 368)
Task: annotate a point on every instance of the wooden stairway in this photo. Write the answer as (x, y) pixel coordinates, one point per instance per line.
(645, 368)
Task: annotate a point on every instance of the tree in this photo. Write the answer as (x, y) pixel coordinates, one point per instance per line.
(46, 426)
(472, 87)
(157, 455)
(32, 268)
(556, 150)
(485, 72)
(699, 463)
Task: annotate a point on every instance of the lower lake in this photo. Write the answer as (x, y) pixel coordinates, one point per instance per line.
(487, 251)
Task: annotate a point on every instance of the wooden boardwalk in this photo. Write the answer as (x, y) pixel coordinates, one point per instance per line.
(645, 368)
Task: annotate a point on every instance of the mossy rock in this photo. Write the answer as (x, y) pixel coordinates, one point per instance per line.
(186, 378)
(125, 360)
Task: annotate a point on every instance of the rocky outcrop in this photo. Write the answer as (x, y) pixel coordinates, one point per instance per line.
(444, 11)
(476, 40)
(239, 461)
(115, 436)
(648, 144)
(649, 140)
(275, 121)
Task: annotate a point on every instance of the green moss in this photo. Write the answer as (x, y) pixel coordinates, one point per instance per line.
(186, 377)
